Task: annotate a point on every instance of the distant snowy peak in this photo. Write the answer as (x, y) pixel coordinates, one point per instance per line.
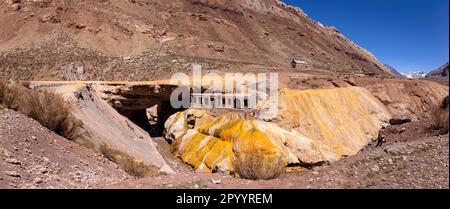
(415, 75)
(440, 72)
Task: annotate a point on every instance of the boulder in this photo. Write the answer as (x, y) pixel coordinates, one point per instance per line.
(53, 17)
(152, 115)
(42, 3)
(177, 125)
(217, 47)
(73, 72)
(399, 120)
(13, 5)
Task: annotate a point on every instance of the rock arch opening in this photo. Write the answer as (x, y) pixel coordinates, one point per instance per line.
(147, 106)
(151, 119)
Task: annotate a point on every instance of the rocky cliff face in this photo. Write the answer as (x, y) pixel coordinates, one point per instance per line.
(141, 39)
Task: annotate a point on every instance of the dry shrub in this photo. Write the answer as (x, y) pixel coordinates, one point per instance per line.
(12, 96)
(260, 165)
(52, 111)
(46, 107)
(440, 116)
(128, 163)
(2, 90)
(85, 143)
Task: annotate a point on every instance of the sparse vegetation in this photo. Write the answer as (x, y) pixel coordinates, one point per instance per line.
(85, 143)
(2, 87)
(46, 107)
(129, 164)
(440, 116)
(10, 95)
(256, 165)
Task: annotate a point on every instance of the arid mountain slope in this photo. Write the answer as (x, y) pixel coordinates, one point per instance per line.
(440, 72)
(393, 70)
(142, 39)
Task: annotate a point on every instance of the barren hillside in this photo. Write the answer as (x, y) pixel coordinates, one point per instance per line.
(440, 74)
(143, 39)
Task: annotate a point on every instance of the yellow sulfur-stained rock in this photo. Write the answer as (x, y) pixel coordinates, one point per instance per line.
(257, 156)
(344, 119)
(300, 149)
(205, 153)
(311, 126)
(213, 145)
(177, 125)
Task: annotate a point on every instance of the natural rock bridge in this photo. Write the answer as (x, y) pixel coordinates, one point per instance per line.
(312, 126)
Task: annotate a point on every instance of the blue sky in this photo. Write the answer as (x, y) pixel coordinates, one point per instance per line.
(410, 35)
